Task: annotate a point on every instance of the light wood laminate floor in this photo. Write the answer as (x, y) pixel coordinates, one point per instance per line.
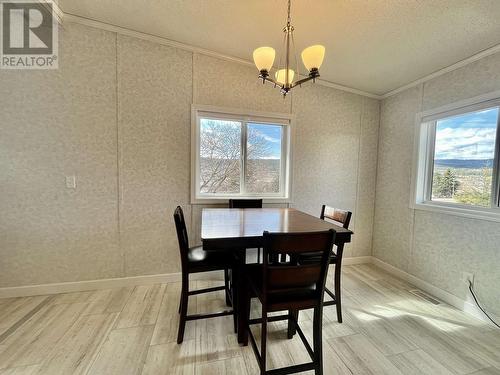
(387, 330)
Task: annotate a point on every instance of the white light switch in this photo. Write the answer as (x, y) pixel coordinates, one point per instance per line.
(71, 182)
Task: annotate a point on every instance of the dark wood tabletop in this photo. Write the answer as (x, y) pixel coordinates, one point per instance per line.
(232, 228)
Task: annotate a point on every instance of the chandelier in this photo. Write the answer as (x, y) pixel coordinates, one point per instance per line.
(312, 57)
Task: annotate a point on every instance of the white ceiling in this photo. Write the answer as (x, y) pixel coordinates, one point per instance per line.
(371, 45)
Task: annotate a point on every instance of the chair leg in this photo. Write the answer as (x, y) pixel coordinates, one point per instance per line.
(180, 302)
(292, 327)
(227, 290)
(183, 308)
(263, 342)
(235, 310)
(246, 303)
(317, 339)
(338, 297)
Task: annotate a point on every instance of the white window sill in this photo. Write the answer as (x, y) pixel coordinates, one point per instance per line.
(488, 214)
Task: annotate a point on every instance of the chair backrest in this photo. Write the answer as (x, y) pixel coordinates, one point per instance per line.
(182, 235)
(291, 276)
(339, 217)
(245, 203)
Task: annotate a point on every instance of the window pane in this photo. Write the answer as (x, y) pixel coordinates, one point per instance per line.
(463, 159)
(220, 158)
(263, 170)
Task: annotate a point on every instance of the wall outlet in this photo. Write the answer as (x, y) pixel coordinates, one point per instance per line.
(71, 182)
(468, 276)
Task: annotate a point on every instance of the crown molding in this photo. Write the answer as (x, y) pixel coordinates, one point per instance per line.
(58, 13)
(469, 60)
(62, 16)
(326, 83)
(68, 17)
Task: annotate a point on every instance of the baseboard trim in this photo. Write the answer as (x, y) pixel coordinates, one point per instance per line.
(466, 306)
(80, 286)
(356, 260)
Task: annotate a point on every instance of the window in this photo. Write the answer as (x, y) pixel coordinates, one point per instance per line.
(240, 155)
(458, 158)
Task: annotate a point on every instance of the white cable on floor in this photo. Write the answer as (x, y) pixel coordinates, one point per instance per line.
(479, 305)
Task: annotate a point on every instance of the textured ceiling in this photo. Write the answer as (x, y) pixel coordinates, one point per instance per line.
(371, 45)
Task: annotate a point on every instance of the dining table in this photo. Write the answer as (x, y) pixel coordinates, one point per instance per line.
(234, 230)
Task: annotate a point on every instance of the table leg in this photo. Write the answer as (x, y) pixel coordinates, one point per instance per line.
(239, 304)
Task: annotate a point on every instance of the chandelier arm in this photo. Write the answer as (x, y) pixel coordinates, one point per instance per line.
(303, 80)
(269, 79)
(295, 56)
(281, 54)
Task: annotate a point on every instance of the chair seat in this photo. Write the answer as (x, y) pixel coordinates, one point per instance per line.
(302, 297)
(202, 261)
(315, 258)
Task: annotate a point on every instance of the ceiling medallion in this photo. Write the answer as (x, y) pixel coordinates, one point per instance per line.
(312, 57)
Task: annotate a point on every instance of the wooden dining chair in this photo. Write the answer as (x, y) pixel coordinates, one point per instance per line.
(341, 218)
(249, 253)
(245, 203)
(289, 286)
(194, 260)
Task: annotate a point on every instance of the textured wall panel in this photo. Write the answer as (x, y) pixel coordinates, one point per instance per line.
(367, 175)
(154, 92)
(472, 80)
(326, 149)
(393, 218)
(222, 83)
(433, 246)
(446, 246)
(58, 123)
(117, 114)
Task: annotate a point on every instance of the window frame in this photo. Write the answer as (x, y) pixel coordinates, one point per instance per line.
(245, 117)
(423, 160)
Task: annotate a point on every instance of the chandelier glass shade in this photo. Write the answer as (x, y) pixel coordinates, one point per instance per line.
(281, 78)
(264, 58)
(312, 58)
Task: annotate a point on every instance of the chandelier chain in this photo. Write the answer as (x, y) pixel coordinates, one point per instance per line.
(289, 19)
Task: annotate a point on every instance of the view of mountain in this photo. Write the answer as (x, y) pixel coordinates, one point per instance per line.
(464, 163)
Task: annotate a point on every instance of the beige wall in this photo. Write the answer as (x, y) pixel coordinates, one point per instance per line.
(335, 157)
(434, 247)
(57, 123)
(117, 115)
